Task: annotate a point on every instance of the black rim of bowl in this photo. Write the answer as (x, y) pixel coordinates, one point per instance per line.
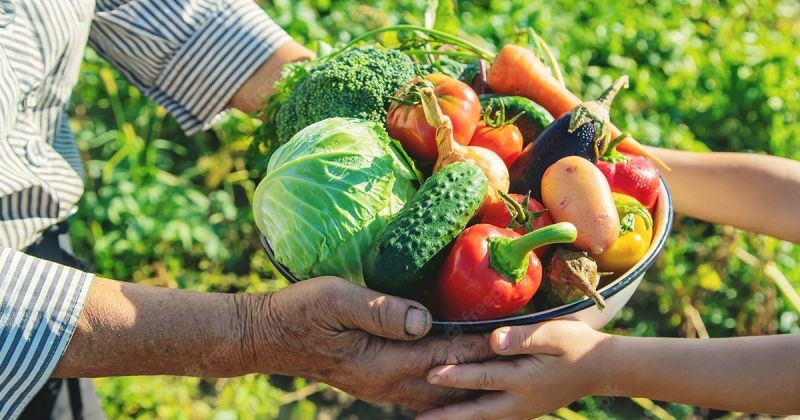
(458, 327)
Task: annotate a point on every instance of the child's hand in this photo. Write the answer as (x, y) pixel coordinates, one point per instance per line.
(557, 364)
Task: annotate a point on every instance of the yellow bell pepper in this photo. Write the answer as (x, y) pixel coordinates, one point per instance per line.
(634, 240)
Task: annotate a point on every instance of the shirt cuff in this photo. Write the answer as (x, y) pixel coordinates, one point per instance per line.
(40, 304)
(215, 61)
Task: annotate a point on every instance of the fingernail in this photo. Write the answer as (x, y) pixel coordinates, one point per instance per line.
(435, 379)
(502, 339)
(416, 322)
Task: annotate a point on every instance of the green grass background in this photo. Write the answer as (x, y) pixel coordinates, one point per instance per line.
(165, 209)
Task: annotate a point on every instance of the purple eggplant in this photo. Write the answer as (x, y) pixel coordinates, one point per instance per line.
(581, 132)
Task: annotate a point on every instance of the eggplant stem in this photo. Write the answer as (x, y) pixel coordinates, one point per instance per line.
(597, 112)
(608, 96)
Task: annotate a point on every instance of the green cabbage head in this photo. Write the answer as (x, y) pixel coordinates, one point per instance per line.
(328, 192)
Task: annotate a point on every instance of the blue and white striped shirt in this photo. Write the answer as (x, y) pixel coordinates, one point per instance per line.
(188, 55)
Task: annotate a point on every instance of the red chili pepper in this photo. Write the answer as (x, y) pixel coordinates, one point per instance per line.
(491, 272)
(632, 175)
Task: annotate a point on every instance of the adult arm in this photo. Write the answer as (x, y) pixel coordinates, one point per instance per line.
(250, 96)
(324, 329)
(555, 363)
(196, 58)
(758, 193)
(40, 303)
(130, 329)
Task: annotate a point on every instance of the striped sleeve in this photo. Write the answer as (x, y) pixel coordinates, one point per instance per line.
(40, 303)
(191, 56)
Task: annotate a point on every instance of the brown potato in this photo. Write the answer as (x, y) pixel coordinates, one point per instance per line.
(574, 190)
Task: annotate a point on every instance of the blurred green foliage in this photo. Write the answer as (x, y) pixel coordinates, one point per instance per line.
(166, 209)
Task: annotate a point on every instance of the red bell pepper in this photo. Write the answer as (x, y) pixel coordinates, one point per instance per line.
(491, 272)
(632, 175)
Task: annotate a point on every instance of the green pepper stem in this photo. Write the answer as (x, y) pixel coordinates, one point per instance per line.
(559, 233)
(612, 155)
(636, 208)
(509, 257)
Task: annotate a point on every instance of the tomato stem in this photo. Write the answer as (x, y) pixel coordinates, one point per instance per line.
(521, 216)
(509, 257)
(498, 120)
(518, 213)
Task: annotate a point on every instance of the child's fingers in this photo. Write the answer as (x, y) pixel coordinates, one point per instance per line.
(528, 339)
(487, 376)
(490, 406)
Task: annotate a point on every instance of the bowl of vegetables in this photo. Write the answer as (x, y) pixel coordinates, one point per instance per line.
(479, 186)
(616, 292)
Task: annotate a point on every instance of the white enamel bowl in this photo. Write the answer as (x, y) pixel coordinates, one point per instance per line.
(616, 294)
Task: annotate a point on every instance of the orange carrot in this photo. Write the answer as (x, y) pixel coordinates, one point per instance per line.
(518, 71)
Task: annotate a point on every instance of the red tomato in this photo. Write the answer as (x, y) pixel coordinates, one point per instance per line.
(497, 214)
(469, 289)
(506, 141)
(636, 176)
(407, 124)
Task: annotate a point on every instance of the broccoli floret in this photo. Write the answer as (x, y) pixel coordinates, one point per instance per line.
(357, 83)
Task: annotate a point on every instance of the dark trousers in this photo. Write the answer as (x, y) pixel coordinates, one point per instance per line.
(62, 399)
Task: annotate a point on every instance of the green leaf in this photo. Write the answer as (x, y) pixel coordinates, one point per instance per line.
(441, 15)
(446, 19)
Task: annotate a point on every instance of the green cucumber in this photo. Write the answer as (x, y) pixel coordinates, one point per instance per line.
(531, 123)
(403, 258)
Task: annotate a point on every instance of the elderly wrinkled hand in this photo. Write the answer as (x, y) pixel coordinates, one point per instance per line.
(363, 342)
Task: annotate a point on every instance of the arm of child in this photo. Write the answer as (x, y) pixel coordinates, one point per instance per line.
(559, 362)
(754, 192)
